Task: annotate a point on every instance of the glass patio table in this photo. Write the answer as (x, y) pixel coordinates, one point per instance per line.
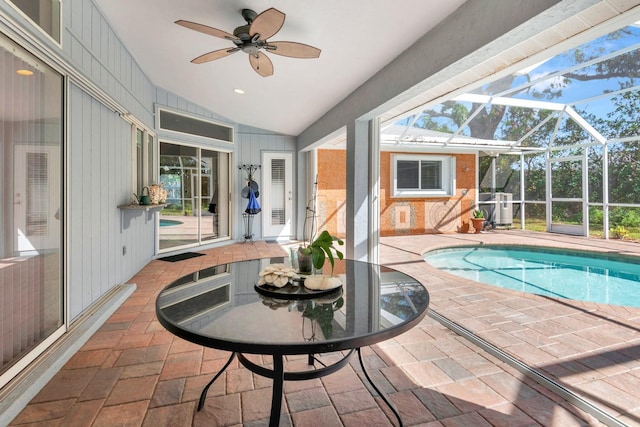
(222, 307)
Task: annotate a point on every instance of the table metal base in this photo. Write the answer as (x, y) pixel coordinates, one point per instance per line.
(279, 376)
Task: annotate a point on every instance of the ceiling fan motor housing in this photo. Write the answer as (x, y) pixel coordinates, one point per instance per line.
(242, 32)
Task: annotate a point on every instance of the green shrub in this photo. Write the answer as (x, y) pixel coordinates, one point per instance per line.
(596, 215)
(624, 217)
(619, 232)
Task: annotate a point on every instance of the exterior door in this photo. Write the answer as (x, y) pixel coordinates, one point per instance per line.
(567, 184)
(277, 202)
(32, 309)
(36, 199)
(197, 183)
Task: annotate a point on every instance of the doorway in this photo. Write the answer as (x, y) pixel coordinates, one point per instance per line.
(278, 200)
(31, 214)
(566, 209)
(197, 184)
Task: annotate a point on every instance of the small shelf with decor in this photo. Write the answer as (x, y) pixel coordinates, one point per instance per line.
(151, 199)
(130, 210)
(145, 208)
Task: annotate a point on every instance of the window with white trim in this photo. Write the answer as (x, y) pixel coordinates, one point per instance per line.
(43, 13)
(423, 176)
(143, 149)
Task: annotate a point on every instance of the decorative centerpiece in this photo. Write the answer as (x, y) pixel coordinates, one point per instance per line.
(277, 275)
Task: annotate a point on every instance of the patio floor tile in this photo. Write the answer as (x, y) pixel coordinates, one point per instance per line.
(132, 390)
(305, 400)
(168, 393)
(412, 410)
(219, 411)
(368, 417)
(125, 415)
(326, 415)
(175, 416)
(101, 384)
(353, 401)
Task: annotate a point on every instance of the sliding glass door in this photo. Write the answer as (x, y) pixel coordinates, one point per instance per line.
(197, 184)
(31, 216)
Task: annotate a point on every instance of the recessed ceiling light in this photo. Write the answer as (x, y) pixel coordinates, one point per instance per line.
(25, 72)
(239, 91)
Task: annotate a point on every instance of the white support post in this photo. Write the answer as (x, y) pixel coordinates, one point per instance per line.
(358, 200)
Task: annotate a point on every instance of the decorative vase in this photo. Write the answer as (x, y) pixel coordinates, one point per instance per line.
(305, 263)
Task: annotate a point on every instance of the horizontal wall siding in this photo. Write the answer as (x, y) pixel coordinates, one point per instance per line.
(100, 180)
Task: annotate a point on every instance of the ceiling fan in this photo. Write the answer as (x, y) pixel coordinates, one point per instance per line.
(252, 38)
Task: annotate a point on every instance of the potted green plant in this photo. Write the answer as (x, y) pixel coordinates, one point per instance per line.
(478, 220)
(317, 251)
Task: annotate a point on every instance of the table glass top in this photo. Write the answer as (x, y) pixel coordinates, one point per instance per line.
(221, 308)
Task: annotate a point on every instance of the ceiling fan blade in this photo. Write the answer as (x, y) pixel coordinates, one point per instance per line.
(261, 64)
(216, 54)
(293, 49)
(206, 29)
(267, 23)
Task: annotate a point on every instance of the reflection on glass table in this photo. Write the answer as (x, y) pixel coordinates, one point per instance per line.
(221, 308)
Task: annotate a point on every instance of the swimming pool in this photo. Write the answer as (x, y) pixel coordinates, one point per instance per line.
(169, 222)
(578, 275)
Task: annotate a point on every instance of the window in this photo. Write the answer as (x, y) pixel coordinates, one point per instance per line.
(143, 159)
(423, 176)
(192, 126)
(44, 13)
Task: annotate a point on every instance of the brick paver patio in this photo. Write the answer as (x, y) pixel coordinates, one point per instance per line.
(134, 373)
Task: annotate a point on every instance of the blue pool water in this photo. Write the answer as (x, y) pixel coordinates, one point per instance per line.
(169, 222)
(585, 276)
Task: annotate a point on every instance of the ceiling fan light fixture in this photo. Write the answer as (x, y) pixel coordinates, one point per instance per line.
(250, 48)
(252, 38)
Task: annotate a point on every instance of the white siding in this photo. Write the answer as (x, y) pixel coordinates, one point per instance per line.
(100, 180)
(90, 44)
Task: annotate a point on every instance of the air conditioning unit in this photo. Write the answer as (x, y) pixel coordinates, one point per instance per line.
(501, 211)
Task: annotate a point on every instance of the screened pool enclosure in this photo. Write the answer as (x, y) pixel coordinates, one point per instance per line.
(558, 142)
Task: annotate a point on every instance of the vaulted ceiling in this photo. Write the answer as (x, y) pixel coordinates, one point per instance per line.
(356, 37)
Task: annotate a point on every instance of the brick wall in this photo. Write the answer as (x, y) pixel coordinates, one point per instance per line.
(398, 216)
